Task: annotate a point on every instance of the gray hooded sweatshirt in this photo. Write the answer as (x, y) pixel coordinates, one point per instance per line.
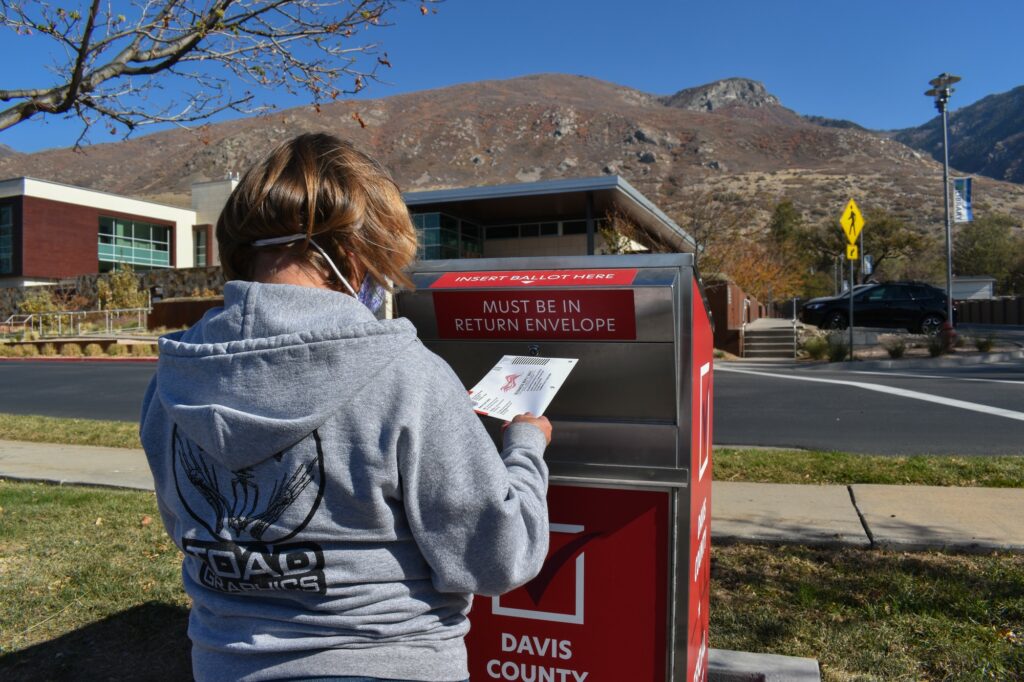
(336, 499)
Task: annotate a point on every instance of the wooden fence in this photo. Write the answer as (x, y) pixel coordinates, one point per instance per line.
(991, 311)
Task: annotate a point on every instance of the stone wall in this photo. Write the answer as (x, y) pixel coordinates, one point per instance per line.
(174, 282)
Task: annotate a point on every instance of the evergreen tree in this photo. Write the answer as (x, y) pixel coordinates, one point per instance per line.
(989, 246)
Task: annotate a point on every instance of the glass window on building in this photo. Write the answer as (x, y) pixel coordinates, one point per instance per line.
(144, 246)
(199, 237)
(449, 237)
(443, 236)
(6, 240)
(472, 243)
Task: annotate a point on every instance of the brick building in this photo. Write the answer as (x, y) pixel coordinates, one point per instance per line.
(50, 231)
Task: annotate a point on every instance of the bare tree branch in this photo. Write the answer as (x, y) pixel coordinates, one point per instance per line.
(116, 68)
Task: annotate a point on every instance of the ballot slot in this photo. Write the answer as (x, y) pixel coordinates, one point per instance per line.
(619, 316)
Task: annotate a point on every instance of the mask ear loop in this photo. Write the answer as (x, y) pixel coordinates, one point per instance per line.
(296, 237)
(335, 268)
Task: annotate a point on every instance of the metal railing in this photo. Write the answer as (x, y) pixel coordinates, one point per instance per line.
(743, 327)
(796, 334)
(79, 322)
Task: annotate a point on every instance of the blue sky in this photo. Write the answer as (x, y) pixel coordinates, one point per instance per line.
(867, 61)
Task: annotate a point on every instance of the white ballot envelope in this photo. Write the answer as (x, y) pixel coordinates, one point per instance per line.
(518, 384)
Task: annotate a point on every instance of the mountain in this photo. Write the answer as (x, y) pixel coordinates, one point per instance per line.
(6, 151)
(732, 137)
(729, 92)
(834, 123)
(986, 137)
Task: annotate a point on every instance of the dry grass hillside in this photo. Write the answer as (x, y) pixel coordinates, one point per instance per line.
(729, 136)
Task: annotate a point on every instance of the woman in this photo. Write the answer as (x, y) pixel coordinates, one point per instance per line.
(336, 499)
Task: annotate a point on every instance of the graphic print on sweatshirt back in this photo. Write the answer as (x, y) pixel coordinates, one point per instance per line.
(336, 499)
(251, 545)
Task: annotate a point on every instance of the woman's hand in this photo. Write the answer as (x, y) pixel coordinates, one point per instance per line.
(541, 423)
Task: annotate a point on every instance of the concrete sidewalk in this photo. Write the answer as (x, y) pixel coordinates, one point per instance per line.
(886, 516)
(899, 517)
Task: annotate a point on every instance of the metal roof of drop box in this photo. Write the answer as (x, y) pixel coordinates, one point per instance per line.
(553, 200)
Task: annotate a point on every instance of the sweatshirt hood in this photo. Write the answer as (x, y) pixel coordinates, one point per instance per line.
(255, 377)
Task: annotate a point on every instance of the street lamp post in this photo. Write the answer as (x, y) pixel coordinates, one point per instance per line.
(941, 91)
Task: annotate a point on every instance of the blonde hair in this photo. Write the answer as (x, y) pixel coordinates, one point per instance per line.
(323, 187)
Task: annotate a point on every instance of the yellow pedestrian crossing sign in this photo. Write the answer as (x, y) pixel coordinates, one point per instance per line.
(852, 222)
(851, 252)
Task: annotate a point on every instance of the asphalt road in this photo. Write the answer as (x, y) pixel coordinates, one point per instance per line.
(977, 410)
(973, 410)
(91, 390)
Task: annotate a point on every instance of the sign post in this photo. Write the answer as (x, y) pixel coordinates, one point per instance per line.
(852, 223)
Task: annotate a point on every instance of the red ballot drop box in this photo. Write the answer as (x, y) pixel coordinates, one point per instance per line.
(623, 594)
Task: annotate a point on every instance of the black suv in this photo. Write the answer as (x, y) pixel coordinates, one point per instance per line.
(914, 306)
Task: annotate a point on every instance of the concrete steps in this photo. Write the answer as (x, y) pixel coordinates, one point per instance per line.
(768, 343)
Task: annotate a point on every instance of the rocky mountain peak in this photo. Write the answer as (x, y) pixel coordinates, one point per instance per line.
(728, 92)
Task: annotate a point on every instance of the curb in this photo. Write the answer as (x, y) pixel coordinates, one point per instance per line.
(82, 359)
(76, 482)
(922, 363)
(743, 666)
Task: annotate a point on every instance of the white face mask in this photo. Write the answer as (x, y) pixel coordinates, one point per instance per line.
(274, 241)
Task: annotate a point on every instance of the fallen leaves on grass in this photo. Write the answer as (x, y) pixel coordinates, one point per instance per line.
(1010, 636)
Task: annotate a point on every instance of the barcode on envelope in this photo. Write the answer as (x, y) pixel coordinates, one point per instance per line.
(530, 361)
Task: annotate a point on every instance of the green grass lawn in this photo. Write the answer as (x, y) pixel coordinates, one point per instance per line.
(112, 434)
(873, 615)
(91, 590)
(814, 466)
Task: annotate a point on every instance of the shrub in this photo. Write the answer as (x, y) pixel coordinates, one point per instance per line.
(936, 345)
(48, 349)
(6, 350)
(38, 301)
(984, 343)
(837, 348)
(143, 350)
(71, 350)
(93, 350)
(816, 347)
(26, 350)
(895, 346)
(121, 289)
(116, 350)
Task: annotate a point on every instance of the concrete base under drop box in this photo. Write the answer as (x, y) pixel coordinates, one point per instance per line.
(742, 666)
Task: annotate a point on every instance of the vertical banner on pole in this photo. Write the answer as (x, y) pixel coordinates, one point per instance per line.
(963, 212)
